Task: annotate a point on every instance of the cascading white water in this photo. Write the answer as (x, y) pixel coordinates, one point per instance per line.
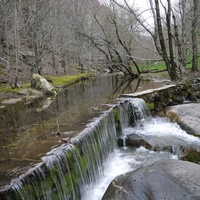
(161, 126)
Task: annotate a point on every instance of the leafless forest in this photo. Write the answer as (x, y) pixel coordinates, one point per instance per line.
(43, 36)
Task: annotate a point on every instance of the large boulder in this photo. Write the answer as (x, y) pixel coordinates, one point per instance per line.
(187, 115)
(164, 179)
(39, 82)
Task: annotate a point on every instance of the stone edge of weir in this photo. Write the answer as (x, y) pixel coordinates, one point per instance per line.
(146, 92)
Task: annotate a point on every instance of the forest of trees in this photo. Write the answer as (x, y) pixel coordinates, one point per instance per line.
(94, 35)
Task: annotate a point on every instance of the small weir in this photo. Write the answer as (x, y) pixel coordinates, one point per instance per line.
(83, 168)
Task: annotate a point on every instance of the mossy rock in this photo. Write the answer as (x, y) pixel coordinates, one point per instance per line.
(193, 156)
(151, 106)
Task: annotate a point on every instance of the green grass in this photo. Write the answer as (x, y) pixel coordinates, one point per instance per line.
(68, 80)
(161, 65)
(155, 66)
(7, 88)
(189, 61)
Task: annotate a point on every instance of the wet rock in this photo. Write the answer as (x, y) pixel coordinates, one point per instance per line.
(170, 144)
(167, 148)
(187, 115)
(196, 86)
(192, 98)
(136, 141)
(120, 142)
(164, 179)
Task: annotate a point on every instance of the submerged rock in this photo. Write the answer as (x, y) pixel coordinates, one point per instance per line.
(164, 179)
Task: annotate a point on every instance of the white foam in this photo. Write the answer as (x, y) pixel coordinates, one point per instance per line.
(161, 127)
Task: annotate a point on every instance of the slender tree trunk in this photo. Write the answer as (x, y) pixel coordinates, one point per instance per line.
(16, 44)
(194, 37)
(183, 33)
(171, 46)
(180, 59)
(54, 62)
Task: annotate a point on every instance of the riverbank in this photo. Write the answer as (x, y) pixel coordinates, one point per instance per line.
(25, 93)
(73, 77)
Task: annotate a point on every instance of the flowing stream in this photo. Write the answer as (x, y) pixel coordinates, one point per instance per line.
(84, 167)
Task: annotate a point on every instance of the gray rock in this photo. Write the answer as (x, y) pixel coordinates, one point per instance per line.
(170, 144)
(164, 179)
(136, 141)
(196, 86)
(41, 83)
(187, 115)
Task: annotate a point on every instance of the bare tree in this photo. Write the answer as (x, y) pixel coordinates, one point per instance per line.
(113, 37)
(194, 36)
(171, 35)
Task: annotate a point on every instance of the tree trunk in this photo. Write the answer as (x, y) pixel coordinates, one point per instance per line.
(169, 63)
(183, 32)
(54, 62)
(16, 44)
(180, 59)
(194, 37)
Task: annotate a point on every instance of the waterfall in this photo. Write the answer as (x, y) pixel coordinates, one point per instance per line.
(68, 171)
(132, 111)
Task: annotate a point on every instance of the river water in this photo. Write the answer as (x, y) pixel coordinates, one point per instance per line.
(84, 168)
(27, 131)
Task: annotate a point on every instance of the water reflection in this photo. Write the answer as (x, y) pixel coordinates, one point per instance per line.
(28, 131)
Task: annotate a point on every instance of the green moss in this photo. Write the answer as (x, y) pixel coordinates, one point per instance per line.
(117, 120)
(68, 80)
(151, 105)
(26, 85)
(198, 135)
(7, 88)
(193, 156)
